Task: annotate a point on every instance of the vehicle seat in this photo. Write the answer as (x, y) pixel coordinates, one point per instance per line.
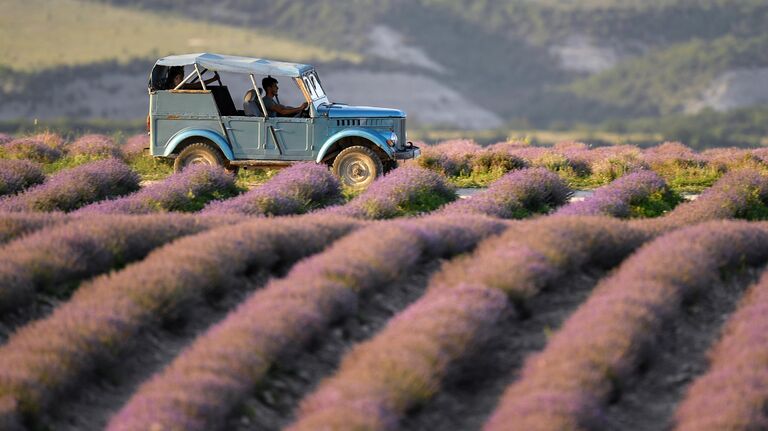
(223, 100)
(250, 99)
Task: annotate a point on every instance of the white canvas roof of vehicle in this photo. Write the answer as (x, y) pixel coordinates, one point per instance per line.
(235, 64)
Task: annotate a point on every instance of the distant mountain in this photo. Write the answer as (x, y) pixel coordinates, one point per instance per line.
(529, 63)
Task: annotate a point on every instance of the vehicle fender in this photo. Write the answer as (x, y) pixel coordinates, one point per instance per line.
(371, 135)
(212, 136)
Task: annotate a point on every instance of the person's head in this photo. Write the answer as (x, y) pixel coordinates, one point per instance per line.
(175, 76)
(250, 95)
(269, 84)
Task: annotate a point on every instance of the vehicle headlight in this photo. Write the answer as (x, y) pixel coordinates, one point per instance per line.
(392, 139)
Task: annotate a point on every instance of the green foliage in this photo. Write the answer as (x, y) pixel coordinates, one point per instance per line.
(151, 168)
(655, 204)
(424, 201)
(662, 81)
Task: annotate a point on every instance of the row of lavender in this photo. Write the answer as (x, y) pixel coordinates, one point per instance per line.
(112, 297)
(599, 348)
(49, 147)
(98, 325)
(418, 347)
(463, 158)
(31, 265)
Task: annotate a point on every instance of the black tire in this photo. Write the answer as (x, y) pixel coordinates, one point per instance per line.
(200, 153)
(390, 165)
(357, 167)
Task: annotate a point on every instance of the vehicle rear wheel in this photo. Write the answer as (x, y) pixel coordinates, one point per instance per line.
(357, 167)
(200, 153)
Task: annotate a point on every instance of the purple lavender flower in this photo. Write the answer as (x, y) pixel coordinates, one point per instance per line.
(286, 313)
(738, 194)
(404, 364)
(404, 191)
(105, 314)
(4, 139)
(600, 345)
(731, 395)
(17, 175)
(188, 190)
(61, 255)
(450, 157)
(616, 199)
(135, 146)
(73, 188)
(95, 146)
(516, 195)
(294, 190)
(15, 225)
(31, 149)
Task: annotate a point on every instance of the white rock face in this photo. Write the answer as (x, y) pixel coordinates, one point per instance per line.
(734, 89)
(425, 100)
(386, 42)
(580, 54)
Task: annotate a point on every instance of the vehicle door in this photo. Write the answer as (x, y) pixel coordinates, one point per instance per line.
(288, 138)
(246, 135)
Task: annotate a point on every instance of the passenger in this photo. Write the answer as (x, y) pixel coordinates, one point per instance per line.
(251, 105)
(272, 102)
(176, 75)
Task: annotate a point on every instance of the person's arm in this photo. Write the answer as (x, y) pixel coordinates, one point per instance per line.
(198, 85)
(288, 110)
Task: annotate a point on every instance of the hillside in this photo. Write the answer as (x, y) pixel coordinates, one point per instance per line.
(542, 64)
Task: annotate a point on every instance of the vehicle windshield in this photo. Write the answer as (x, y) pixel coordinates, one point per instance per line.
(312, 82)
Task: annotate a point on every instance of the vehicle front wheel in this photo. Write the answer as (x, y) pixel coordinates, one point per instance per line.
(199, 153)
(357, 167)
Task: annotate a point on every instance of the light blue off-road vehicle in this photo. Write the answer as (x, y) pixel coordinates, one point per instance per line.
(197, 121)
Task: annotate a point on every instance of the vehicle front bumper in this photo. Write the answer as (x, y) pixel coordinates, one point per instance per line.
(410, 152)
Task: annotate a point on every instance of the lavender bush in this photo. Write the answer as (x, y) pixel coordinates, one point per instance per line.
(4, 139)
(738, 194)
(642, 193)
(30, 149)
(599, 347)
(188, 190)
(50, 139)
(451, 158)
(226, 362)
(404, 365)
(516, 195)
(73, 188)
(135, 146)
(294, 190)
(17, 175)
(15, 225)
(104, 315)
(732, 394)
(405, 191)
(54, 259)
(95, 147)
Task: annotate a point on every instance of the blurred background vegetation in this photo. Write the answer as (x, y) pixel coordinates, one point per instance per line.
(602, 71)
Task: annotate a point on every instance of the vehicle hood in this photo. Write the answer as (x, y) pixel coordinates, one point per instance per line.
(351, 111)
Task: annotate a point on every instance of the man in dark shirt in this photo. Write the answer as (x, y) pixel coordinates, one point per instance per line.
(272, 102)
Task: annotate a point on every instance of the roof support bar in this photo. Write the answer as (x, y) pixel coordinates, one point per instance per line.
(200, 77)
(185, 79)
(258, 96)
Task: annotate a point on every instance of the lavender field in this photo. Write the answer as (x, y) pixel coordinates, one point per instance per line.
(134, 299)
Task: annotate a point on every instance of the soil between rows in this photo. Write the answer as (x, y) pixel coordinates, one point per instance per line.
(103, 393)
(273, 404)
(472, 389)
(649, 401)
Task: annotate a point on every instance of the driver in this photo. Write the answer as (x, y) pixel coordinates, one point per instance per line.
(272, 102)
